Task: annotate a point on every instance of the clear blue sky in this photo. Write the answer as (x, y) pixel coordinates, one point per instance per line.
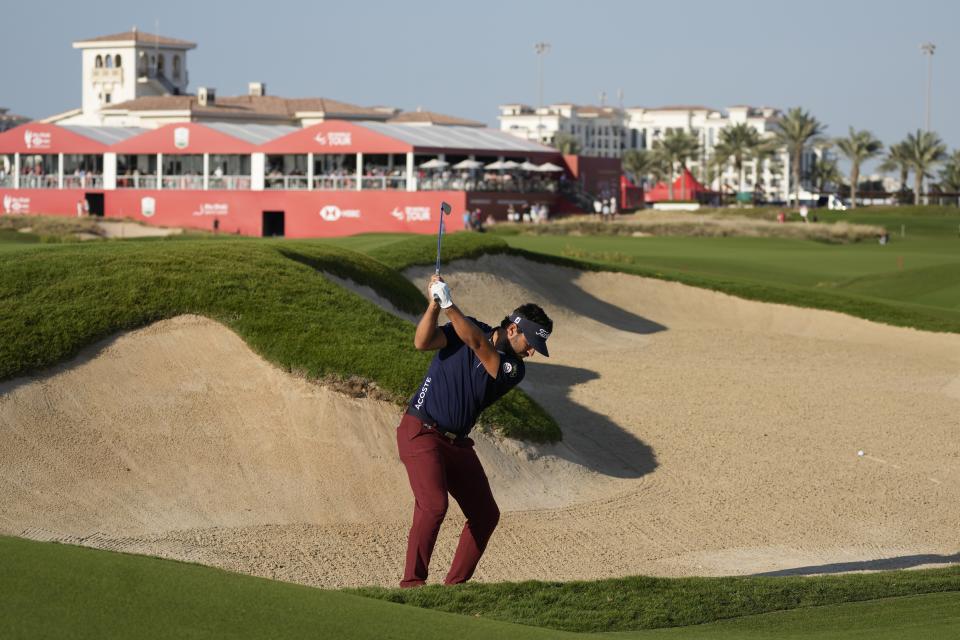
(848, 62)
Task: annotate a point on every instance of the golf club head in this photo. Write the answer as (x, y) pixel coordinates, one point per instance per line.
(445, 208)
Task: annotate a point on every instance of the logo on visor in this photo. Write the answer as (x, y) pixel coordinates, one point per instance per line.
(543, 333)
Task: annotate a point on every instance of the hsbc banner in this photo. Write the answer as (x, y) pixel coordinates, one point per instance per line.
(332, 213)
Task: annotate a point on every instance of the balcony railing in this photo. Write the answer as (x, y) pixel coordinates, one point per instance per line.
(136, 182)
(335, 183)
(83, 182)
(182, 182)
(286, 182)
(384, 182)
(33, 181)
(229, 183)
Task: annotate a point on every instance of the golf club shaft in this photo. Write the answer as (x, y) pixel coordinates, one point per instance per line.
(439, 238)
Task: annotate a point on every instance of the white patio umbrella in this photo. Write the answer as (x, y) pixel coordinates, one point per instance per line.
(436, 163)
(468, 164)
(549, 167)
(510, 164)
(529, 166)
(496, 166)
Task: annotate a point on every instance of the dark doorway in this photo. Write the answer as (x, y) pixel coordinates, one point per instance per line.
(94, 204)
(272, 223)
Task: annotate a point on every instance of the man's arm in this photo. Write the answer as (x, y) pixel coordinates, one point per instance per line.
(428, 336)
(474, 338)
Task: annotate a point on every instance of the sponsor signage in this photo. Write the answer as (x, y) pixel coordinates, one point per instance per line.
(411, 214)
(334, 139)
(16, 204)
(148, 207)
(181, 137)
(37, 139)
(212, 209)
(332, 213)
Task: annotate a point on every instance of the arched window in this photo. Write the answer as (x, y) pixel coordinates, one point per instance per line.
(98, 63)
(160, 64)
(116, 61)
(176, 67)
(142, 63)
(109, 61)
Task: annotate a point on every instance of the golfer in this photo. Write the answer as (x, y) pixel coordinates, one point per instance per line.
(474, 366)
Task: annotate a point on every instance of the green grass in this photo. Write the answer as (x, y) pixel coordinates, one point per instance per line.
(914, 281)
(60, 591)
(630, 604)
(64, 298)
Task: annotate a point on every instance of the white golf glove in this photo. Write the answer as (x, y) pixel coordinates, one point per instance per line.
(441, 293)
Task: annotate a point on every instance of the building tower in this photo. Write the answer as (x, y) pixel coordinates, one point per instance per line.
(130, 65)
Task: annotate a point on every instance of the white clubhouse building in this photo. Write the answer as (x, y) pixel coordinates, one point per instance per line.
(609, 131)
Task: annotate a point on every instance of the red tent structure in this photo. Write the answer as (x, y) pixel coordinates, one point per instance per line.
(685, 187)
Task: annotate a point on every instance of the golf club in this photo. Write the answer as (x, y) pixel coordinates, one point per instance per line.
(444, 211)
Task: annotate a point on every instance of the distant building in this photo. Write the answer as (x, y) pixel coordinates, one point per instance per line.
(10, 120)
(137, 79)
(610, 131)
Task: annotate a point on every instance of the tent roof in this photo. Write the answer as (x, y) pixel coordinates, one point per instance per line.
(685, 186)
(184, 137)
(457, 138)
(253, 133)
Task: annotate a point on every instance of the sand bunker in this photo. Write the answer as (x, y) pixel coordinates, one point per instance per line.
(704, 435)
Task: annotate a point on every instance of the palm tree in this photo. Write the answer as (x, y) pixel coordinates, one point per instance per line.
(676, 147)
(858, 146)
(740, 142)
(638, 163)
(717, 164)
(566, 144)
(950, 174)
(897, 160)
(826, 172)
(795, 130)
(923, 149)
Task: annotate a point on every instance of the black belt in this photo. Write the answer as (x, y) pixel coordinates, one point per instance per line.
(432, 424)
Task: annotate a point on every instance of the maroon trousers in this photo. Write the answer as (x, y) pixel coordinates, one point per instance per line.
(437, 466)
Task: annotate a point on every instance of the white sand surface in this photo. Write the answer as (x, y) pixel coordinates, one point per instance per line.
(703, 435)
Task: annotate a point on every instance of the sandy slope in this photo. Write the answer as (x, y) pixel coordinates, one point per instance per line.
(703, 435)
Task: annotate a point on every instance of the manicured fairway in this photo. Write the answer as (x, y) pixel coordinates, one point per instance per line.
(60, 591)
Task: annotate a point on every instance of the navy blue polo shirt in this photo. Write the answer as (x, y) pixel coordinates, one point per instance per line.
(457, 387)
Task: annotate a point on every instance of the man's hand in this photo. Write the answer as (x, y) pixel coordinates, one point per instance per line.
(440, 293)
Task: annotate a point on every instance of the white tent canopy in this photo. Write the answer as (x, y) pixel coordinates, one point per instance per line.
(436, 163)
(468, 164)
(549, 167)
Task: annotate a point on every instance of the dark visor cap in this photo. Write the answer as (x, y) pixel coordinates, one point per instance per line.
(534, 333)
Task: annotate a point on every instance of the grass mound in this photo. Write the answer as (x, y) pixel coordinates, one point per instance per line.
(50, 228)
(630, 604)
(707, 224)
(65, 298)
(59, 591)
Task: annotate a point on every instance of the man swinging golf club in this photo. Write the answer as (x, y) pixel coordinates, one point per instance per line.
(474, 366)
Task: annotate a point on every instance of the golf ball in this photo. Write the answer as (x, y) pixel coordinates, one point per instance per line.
(860, 453)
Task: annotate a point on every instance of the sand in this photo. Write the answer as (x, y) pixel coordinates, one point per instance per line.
(703, 435)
